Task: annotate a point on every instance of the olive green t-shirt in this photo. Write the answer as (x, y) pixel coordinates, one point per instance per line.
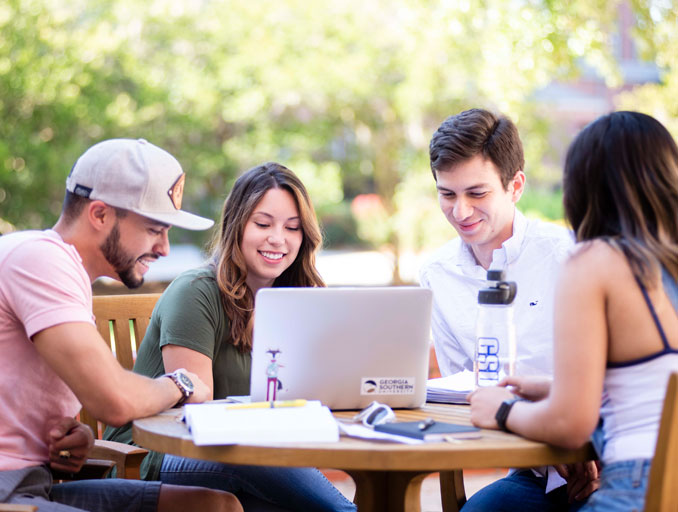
(189, 314)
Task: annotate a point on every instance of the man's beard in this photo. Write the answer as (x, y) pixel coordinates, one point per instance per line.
(121, 262)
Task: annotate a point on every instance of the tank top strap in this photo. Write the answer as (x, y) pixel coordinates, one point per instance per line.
(654, 316)
(671, 288)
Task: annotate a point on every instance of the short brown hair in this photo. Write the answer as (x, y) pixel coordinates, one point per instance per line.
(478, 132)
(74, 204)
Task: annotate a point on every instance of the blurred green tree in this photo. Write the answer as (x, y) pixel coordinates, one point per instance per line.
(657, 36)
(345, 93)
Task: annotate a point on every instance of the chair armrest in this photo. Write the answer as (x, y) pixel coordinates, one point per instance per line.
(13, 507)
(127, 458)
(91, 469)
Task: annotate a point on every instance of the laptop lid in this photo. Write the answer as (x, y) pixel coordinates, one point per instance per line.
(343, 346)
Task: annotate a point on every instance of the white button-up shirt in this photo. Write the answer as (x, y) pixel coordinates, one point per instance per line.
(532, 258)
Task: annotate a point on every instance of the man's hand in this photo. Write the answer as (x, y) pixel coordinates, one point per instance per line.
(530, 388)
(69, 442)
(201, 391)
(484, 405)
(582, 479)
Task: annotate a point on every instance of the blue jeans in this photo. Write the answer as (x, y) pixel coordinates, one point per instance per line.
(522, 491)
(259, 487)
(33, 486)
(623, 486)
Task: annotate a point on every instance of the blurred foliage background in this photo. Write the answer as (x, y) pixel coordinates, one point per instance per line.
(346, 94)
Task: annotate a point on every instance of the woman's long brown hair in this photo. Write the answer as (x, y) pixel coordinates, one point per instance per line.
(227, 257)
(621, 185)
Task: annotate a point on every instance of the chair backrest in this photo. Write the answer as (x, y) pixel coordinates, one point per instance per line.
(662, 488)
(121, 315)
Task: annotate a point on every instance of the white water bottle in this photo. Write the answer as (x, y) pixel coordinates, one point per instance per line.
(495, 353)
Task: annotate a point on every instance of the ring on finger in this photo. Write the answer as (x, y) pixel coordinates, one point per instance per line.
(64, 454)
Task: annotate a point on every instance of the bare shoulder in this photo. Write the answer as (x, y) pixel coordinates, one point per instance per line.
(595, 261)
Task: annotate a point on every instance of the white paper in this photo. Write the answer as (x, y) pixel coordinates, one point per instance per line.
(215, 424)
(451, 389)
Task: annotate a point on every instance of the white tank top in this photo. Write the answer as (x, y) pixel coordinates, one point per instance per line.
(633, 395)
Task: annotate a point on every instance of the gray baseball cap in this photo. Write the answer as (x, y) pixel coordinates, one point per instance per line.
(135, 175)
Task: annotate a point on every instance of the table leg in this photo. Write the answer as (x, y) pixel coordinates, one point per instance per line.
(452, 492)
(388, 491)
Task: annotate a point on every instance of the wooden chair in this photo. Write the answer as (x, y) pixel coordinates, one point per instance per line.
(11, 507)
(119, 315)
(662, 487)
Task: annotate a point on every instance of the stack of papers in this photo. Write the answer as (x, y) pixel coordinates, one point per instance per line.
(451, 389)
(218, 424)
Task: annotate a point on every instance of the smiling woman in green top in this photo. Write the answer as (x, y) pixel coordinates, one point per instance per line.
(268, 236)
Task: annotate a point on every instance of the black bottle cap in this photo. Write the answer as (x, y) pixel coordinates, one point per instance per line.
(494, 296)
(501, 292)
(495, 275)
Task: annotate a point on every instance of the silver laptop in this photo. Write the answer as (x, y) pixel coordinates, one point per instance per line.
(343, 346)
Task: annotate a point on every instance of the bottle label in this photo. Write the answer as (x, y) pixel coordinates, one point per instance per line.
(487, 362)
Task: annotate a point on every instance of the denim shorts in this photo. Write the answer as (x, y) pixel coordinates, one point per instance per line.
(623, 486)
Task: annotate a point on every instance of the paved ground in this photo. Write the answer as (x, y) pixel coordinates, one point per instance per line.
(430, 489)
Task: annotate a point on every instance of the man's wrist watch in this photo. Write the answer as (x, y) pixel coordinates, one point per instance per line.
(184, 384)
(504, 409)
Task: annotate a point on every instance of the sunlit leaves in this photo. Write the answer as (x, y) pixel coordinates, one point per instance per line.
(345, 93)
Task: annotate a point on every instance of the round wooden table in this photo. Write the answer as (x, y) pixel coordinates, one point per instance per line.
(387, 475)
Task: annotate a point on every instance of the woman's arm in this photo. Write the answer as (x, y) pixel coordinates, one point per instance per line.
(175, 357)
(568, 416)
(187, 323)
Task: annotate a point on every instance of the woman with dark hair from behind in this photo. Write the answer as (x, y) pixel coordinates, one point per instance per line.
(616, 325)
(268, 236)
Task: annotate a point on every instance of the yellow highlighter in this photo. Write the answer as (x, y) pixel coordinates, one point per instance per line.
(268, 405)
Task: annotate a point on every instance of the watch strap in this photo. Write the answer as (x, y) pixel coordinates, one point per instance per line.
(185, 392)
(502, 413)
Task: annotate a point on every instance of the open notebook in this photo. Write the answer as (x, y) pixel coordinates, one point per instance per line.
(343, 346)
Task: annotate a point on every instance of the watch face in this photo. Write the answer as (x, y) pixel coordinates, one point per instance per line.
(185, 381)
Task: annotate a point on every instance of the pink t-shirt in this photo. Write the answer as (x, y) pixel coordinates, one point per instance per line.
(42, 284)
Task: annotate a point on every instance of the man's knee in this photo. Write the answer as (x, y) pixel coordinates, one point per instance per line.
(225, 501)
(176, 498)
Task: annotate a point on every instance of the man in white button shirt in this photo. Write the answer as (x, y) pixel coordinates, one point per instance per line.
(477, 163)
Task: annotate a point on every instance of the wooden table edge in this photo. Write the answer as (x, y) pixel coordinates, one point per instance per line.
(505, 450)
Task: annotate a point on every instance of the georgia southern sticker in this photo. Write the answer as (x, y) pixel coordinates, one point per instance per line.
(387, 386)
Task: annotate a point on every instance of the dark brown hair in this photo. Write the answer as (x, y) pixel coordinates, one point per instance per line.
(621, 184)
(74, 204)
(227, 257)
(478, 132)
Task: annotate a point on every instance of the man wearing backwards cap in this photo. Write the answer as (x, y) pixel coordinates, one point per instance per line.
(122, 196)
